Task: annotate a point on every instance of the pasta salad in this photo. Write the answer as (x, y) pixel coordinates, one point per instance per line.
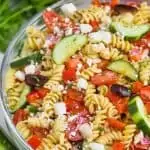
(83, 81)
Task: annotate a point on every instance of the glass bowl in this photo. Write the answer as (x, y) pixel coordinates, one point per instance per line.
(12, 51)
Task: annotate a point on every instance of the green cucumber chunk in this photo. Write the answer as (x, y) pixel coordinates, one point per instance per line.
(138, 113)
(130, 33)
(125, 68)
(68, 47)
(22, 61)
(22, 100)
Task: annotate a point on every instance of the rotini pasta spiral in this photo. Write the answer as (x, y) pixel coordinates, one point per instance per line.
(89, 72)
(23, 129)
(97, 123)
(56, 76)
(37, 122)
(103, 89)
(46, 63)
(35, 38)
(108, 106)
(142, 16)
(86, 15)
(49, 100)
(121, 44)
(145, 72)
(108, 138)
(128, 135)
(14, 93)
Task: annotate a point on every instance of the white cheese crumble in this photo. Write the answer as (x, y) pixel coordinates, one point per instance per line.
(85, 130)
(56, 30)
(60, 108)
(30, 69)
(100, 36)
(85, 28)
(138, 137)
(68, 9)
(20, 75)
(68, 32)
(96, 146)
(82, 83)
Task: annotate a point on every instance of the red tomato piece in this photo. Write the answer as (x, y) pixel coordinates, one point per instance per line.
(75, 95)
(113, 97)
(147, 105)
(141, 147)
(145, 94)
(50, 18)
(116, 123)
(34, 142)
(19, 115)
(114, 2)
(72, 132)
(118, 146)
(106, 78)
(42, 92)
(137, 86)
(33, 97)
(69, 75)
(103, 64)
(40, 132)
(96, 2)
(72, 63)
(122, 106)
(95, 25)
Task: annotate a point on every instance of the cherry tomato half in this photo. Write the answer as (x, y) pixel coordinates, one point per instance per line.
(34, 142)
(69, 75)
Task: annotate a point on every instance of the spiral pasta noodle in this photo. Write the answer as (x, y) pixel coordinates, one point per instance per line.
(121, 44)
(145, 72)
(48, 102)
(103, 89)
(86, 15)
(128, 135)
(108, 138)
(142, 16)
(14, 93)
(23, 129)
(56, 76)
(89, 72)
(35, 38)
(108, 106)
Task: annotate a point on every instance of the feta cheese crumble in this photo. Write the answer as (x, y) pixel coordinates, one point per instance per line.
(20, 75)
(30, 69)
(60, 108)
(96, 146)
(85, 28)
(68, 9)
(82, 83)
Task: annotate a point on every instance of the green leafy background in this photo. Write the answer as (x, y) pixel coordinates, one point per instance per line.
(13, 14)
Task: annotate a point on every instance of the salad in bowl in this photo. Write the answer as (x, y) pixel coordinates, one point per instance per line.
(82, 79)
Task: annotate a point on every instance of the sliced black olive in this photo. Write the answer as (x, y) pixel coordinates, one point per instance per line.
(35, 80)
(121, 90)
(122, 8)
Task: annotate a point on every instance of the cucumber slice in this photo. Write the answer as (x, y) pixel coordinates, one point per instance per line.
(19, 62)
(130, 33)
(67, 47)
(125, 68)
(138, 113)
(22, 100)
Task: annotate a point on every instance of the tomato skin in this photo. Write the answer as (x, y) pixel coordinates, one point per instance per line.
(72, 132)
(114, 2)
(69, 75)
(72, 63)
(95, 25)
(103, 64)
(19, 115)
(75, 95)
(34, 141)
(106, 78)
(33, 97)
(135, 54)
(118, 146)
(145, 94)
(96, 2)
(137, 86)
(42, 92)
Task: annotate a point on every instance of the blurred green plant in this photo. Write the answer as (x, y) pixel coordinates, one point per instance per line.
(13, 14)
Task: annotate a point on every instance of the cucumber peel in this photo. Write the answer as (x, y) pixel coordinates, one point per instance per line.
(138, 113)
(22, 100)
(68, 47)
(130, 33)
(125, 68)
(22, 61)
